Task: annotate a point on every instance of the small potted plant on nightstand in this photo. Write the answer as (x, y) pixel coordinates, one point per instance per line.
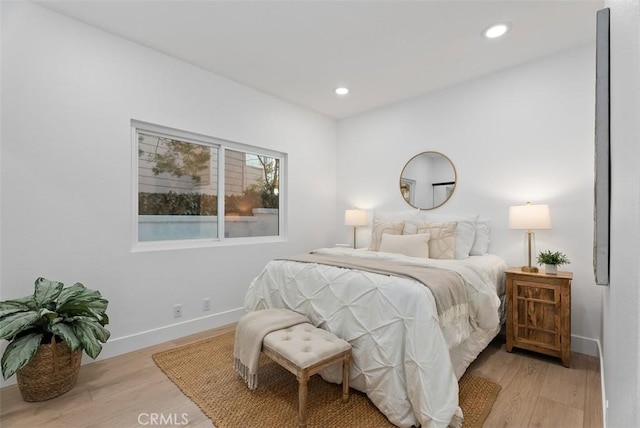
(47, 332)
(551, 260)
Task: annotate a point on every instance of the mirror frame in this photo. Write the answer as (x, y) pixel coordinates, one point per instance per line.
(406, 185)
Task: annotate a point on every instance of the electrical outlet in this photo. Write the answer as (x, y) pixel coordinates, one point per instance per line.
(206, 304)
(177, 311)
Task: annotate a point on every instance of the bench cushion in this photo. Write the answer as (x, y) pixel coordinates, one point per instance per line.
(305, 345)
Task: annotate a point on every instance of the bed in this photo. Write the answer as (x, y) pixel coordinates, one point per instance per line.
(409, 348)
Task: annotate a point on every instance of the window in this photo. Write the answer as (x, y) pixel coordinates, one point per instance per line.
(252, 194)
(179, 178)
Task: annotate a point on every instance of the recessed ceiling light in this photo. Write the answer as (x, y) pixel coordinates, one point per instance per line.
(342, 91)
(496, 30)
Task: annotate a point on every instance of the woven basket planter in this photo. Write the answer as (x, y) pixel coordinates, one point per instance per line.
(52, 372)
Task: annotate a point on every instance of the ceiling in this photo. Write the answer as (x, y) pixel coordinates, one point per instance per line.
(384, 51)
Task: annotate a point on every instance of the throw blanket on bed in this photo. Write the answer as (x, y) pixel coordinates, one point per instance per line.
(447, 287)
(251, 329)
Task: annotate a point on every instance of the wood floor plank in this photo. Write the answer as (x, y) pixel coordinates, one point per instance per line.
(155, 397)
(14, 408)
(567, 384)
(66, 411)
(493, 362)
(168, 407)
(551, 414)
(105, 389)
(593, 395)
(521, 385)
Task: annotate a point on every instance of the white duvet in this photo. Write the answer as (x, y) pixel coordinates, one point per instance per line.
(400, 352)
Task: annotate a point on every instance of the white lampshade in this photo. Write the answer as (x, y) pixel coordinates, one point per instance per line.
(529, 217)
(355, 218)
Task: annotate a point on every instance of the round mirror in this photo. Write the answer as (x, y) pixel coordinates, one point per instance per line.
(428, 180)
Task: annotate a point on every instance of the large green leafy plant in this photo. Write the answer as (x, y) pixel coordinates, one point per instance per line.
(75, 315)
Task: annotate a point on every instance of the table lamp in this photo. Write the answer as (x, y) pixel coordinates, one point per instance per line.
(529, 217)
(355, 218)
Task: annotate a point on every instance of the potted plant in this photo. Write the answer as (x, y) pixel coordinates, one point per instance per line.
(47, 333)
(551, 260)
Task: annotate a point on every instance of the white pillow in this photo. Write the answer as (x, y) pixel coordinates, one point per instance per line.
(381, 227)
(410, 228)
(443, 238)
(465, 231)
(481, 243)
(410, 245)
(409, 217)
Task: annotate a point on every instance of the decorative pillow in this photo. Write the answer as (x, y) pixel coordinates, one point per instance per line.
(409, 217)
(380, 227)
(443, 238)
(481, 243)
(410, 227)
(465, 231)
(409, 245)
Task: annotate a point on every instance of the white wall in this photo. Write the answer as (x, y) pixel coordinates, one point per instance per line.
(69, 92)
(622, 298)
(523, 134)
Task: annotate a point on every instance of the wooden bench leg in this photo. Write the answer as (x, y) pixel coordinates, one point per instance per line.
(346, 364)
(303, 379)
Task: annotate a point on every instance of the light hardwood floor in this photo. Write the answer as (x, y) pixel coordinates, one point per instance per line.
(538, 391)
(128, 390)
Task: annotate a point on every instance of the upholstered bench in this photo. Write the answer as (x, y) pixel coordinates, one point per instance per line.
(304, 350)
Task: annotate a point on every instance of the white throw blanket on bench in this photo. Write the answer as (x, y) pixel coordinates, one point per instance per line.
(251, 329)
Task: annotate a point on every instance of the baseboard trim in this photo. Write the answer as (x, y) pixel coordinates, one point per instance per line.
(584, 345)
(122, 345)
(605, 407)
(593, 347)
(144, 339)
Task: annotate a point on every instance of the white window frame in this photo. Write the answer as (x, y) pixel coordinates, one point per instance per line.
(222, 145)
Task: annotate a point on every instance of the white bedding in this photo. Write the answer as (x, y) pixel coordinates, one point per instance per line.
(401, 356)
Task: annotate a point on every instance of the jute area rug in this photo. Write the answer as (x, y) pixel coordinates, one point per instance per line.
(204, 372)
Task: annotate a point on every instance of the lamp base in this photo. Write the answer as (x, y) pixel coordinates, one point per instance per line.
(529, 269)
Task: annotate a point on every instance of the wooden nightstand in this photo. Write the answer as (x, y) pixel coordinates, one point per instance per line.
(539, 312)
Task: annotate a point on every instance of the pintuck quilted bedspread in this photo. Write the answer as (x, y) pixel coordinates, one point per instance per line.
(400, 347)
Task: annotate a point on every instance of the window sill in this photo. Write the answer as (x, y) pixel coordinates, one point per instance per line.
(140, 247)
